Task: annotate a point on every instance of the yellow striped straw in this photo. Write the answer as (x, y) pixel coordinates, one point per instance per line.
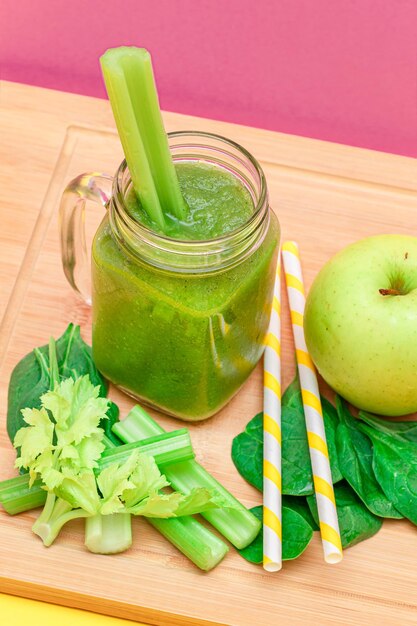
(322, 478)
(272, 530)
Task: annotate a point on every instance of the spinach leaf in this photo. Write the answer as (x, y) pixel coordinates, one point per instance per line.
(296, 535)
(254, 551)
(331, 422)
(395, 467)
(297, 477)
(28, 382)
(31, 377)
(106, 424)
(293, 398)
(300, 505)
(355, 454)
(356, 522)
(247, 452)
(406, 431)
(292, 394)
(75, 358)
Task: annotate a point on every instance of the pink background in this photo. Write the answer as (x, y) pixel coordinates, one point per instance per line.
(341, 70)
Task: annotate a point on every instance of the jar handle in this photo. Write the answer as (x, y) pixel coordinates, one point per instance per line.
(75, 259)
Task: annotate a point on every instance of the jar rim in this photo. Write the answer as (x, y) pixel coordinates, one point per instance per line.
(190, 245)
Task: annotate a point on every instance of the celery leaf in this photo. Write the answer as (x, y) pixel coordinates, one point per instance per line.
(145, 479)
(176, 504)
(36, 438)
(113, 482)
(64, 433)
(76, 408)
(80, 491)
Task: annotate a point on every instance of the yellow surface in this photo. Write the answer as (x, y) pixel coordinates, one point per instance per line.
(21, 612)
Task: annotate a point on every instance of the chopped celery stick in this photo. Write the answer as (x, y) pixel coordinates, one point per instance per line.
(190, 537)
(130, 136)
(130, 85)
(55, 514)
(108, 534)
(193, 539)
(237, 524)
(137, 64)
(16, 496)
(165, 448)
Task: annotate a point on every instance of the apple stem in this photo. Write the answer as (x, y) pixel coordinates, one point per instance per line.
(390, 292)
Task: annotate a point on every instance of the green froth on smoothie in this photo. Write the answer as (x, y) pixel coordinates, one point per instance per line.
(218, 203)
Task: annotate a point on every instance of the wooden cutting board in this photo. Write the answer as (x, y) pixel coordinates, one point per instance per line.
(325, 196)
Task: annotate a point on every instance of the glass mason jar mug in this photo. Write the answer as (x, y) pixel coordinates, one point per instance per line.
(179, 325)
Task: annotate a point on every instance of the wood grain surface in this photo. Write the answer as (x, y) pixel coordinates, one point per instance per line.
(325, 196)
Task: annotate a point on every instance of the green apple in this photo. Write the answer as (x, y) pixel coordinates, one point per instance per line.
(361, 324)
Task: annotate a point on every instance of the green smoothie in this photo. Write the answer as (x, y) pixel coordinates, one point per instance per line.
(217, 203)
(184, 343)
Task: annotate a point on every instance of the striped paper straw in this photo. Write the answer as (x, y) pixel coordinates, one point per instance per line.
(272, 530)
(322, 478)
